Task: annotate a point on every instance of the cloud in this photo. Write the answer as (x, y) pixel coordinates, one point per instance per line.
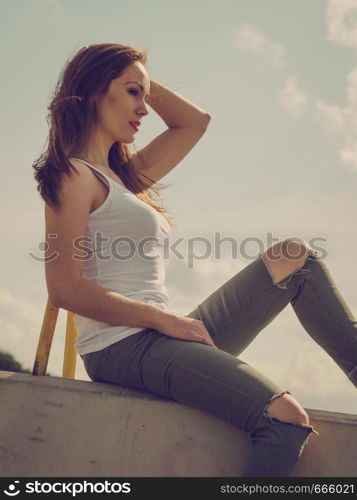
(248, 38)
(20, 326)
(310, 374)
(187, 287)
(341, 123)
(341, 20)
(292, 98)
(20, 329)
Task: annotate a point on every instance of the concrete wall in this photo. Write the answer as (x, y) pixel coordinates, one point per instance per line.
(55, 427)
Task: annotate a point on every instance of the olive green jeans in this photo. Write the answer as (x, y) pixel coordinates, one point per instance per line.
(215, 381)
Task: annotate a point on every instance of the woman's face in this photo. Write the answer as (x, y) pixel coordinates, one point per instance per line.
(123, 103)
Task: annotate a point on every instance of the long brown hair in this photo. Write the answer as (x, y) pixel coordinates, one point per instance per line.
(72, 113)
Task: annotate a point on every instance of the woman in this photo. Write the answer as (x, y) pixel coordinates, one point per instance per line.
(98, 199)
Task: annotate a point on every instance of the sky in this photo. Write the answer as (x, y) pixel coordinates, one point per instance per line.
(279, 158)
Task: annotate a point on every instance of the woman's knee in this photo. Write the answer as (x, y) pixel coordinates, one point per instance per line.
(285, 257)
(285, 407)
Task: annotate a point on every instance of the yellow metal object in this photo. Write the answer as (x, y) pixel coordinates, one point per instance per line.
(45, 343)
(45, 340)
(70, 354)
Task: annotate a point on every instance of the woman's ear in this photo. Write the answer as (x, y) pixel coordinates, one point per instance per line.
(93, 99)
(93, 103)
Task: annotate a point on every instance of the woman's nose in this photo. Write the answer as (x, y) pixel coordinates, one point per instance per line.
(144, 110)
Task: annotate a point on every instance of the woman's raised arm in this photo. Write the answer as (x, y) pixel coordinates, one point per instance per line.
(187, 123)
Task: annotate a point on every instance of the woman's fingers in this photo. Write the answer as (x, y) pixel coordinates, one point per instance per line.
(190, 329)
(208, 339)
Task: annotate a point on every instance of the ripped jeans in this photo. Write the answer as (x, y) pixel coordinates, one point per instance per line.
(215, 381)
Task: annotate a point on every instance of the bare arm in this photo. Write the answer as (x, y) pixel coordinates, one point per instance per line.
(174, 109)
(88, 299)
(95, 302)
(186, 123)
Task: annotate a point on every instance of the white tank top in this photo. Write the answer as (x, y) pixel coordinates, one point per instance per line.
(125, 240)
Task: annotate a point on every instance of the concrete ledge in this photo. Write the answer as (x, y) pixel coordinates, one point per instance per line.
(56, 427)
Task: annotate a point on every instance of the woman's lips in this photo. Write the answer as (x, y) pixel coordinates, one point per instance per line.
(134, 126)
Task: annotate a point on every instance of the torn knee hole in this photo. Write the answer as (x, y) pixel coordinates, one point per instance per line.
(302, 421)
(299, 271)
(285, 409)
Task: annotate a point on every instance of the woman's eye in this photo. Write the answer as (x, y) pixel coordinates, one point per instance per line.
(134, 91)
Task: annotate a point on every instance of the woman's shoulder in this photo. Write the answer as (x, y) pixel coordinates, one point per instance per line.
(80, 184)
(79, 167)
